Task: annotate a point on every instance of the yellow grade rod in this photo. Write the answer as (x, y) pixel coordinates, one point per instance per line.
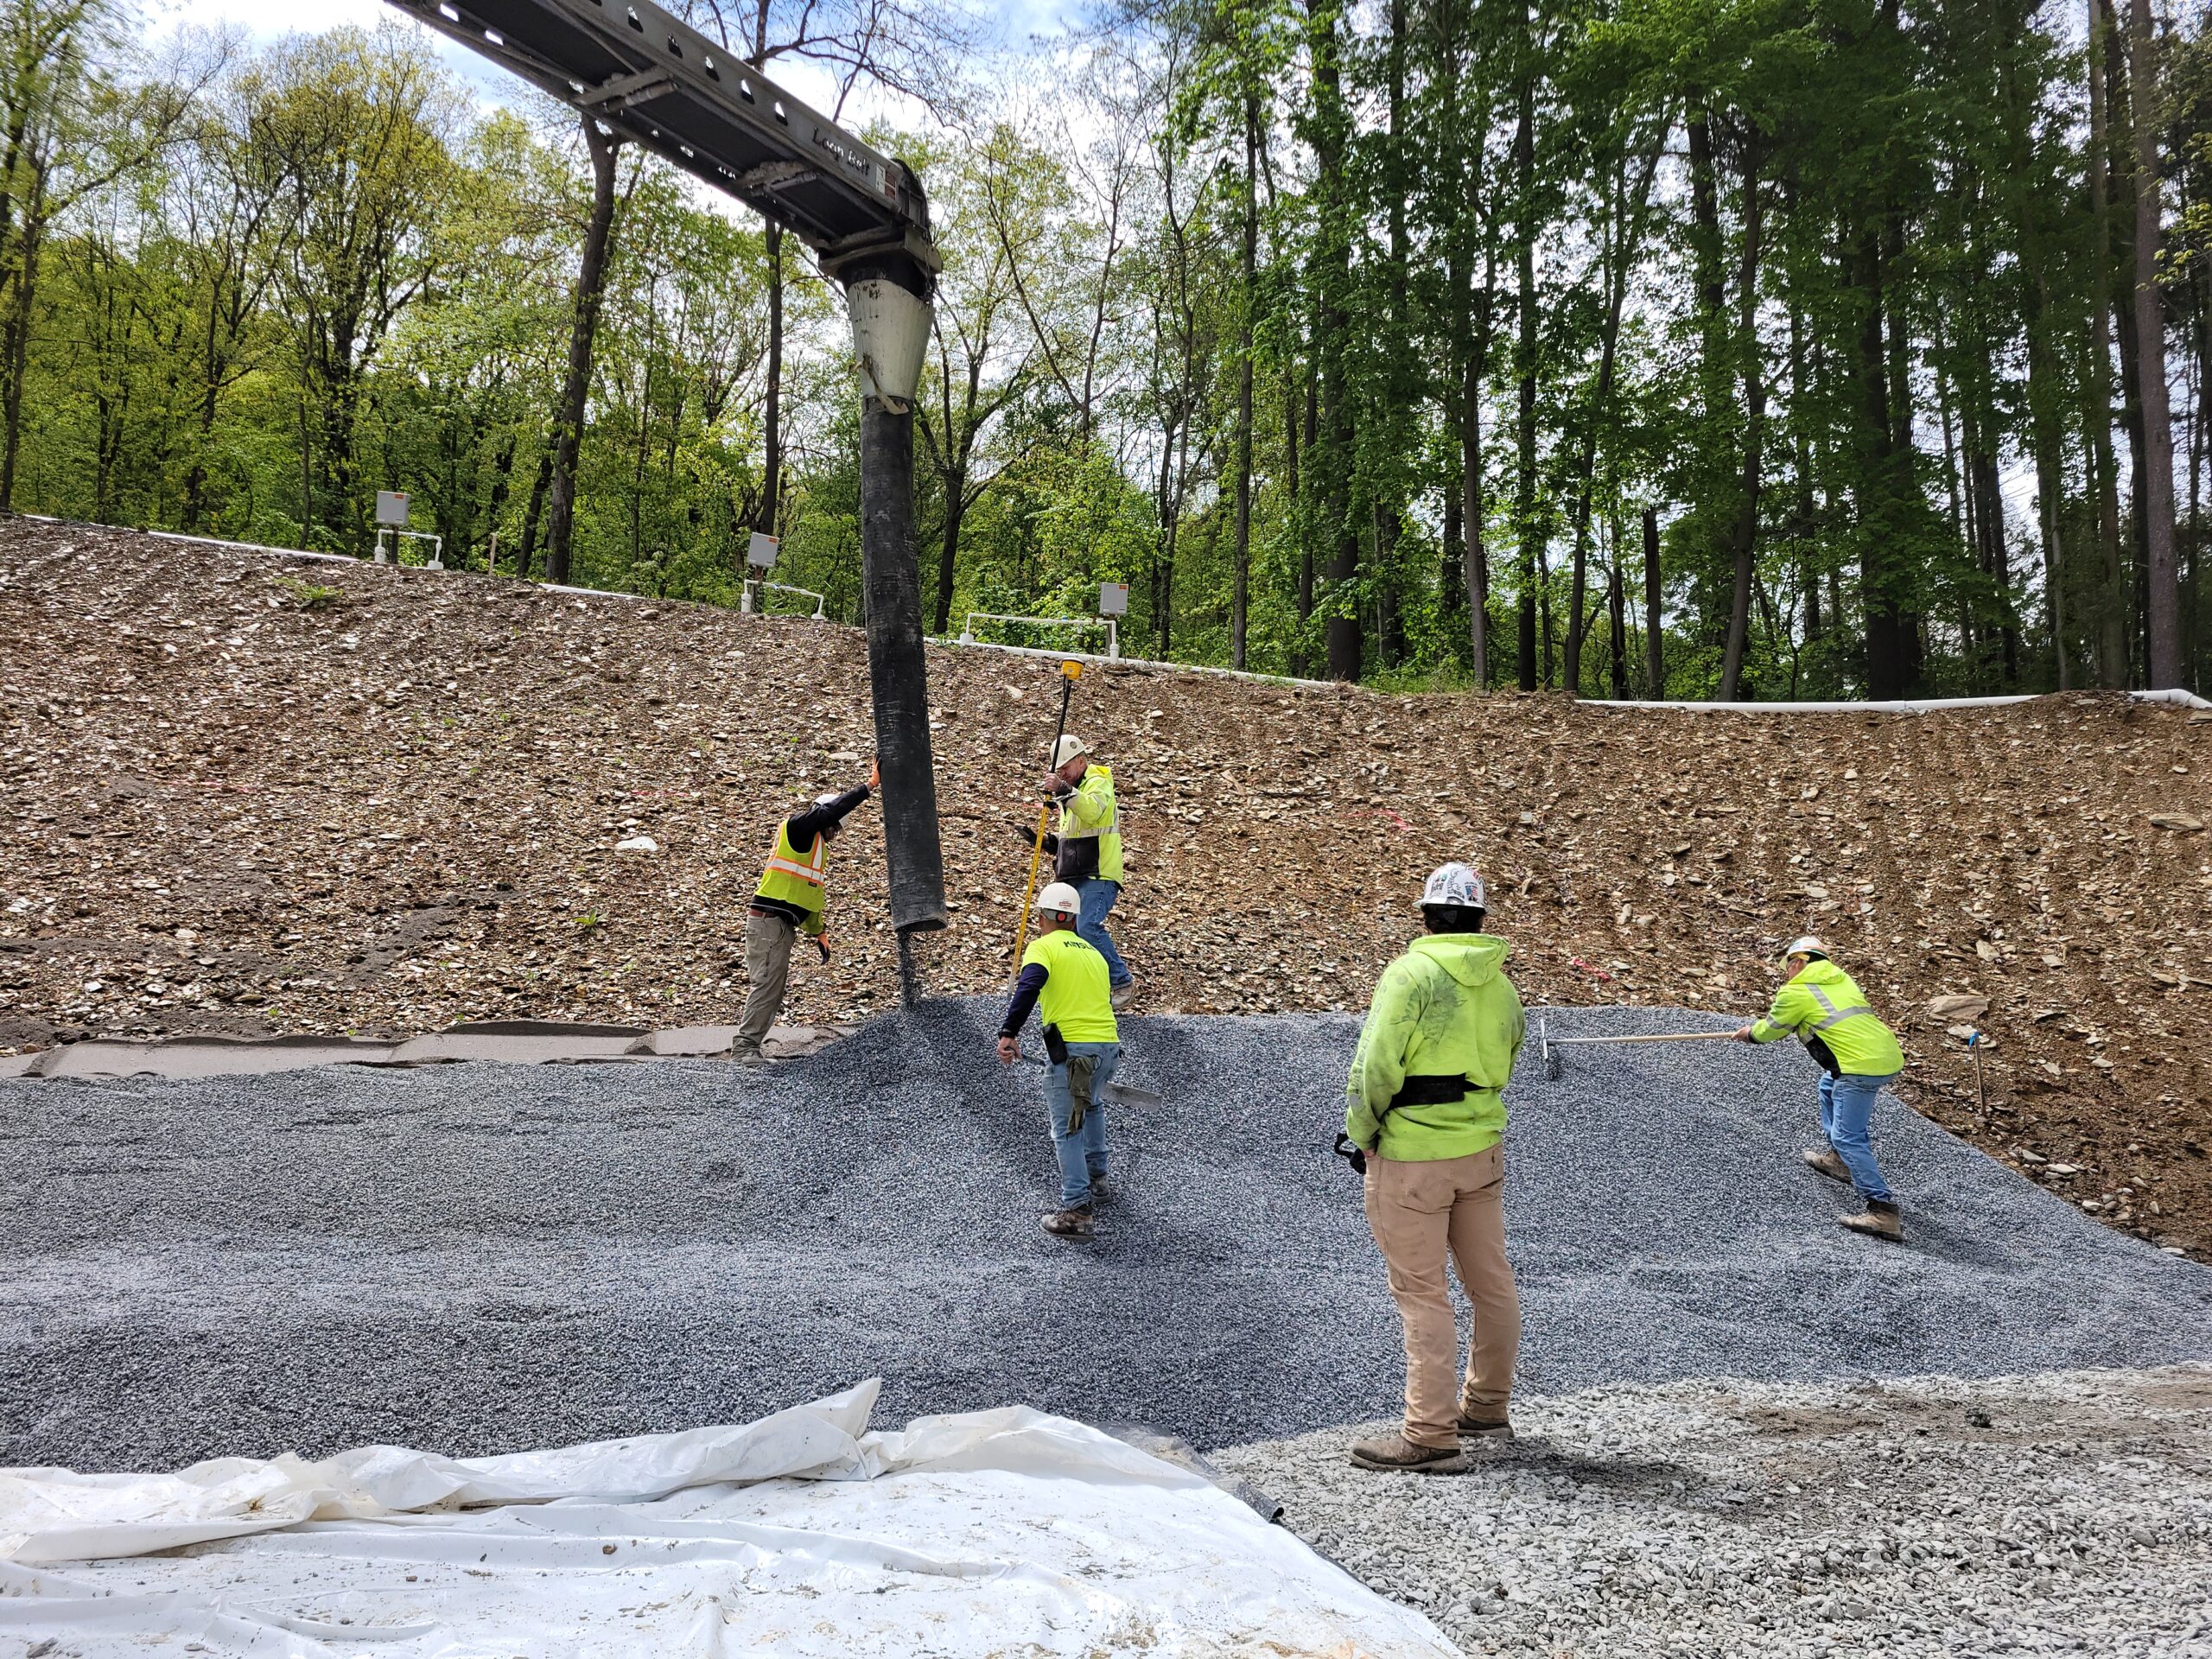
(1070, 672)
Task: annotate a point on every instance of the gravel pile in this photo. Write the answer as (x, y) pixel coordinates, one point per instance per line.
(2052, 1514)
(482, 1258)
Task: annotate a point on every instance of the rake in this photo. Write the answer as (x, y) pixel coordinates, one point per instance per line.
(1548, 1046)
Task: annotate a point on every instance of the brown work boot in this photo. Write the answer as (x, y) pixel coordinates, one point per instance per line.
(1473, 1426)
(1828, 1161)
(1069, 1223)
(1394, 1452)
(1880, 1221)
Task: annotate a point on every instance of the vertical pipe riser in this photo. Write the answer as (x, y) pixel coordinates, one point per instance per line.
(897, 675)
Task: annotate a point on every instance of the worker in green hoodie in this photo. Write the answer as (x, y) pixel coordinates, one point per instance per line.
(1427, 1114)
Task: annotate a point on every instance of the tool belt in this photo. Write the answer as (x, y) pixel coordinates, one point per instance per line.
(1433, 1088)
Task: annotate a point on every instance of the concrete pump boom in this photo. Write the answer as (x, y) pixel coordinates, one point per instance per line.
(658, 83)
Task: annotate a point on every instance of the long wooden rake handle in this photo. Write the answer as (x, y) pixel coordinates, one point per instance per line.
(1656, 1036)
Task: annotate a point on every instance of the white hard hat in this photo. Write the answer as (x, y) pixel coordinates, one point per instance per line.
(1059, 896)
(831, 799)
(1804, 946)
(1066, 750)
(1453, 883)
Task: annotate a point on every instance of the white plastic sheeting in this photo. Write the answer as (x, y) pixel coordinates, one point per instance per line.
(985, 1534)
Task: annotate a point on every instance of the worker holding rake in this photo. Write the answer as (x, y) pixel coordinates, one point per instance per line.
(1819, 1004)
(1427, 1117)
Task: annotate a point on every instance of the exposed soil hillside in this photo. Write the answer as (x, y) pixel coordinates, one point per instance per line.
(393, 804)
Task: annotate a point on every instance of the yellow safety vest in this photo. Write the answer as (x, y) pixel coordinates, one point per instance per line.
(1076, 997)
(795, 879)
(1091, 813)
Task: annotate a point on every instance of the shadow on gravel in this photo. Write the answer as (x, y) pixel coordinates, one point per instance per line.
(480, 1258)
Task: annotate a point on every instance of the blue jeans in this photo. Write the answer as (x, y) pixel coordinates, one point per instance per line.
(1846, 1109)
(1098, 898)
(1082, 1154)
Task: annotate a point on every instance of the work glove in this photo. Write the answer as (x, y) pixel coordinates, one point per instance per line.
(1352, 1154)
(1029, 839)
(823, 945)
(1081, 1068)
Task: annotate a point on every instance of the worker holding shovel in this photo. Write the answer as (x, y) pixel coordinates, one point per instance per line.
(1819, 1004)
(1427, 1117)
(789, 901)
(1065, 980)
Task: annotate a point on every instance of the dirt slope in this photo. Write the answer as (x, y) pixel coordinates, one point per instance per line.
(399, 808)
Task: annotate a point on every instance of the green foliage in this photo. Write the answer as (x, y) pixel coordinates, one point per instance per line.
(308, 595)
(1815, 284)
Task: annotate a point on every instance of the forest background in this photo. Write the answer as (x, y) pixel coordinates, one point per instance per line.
(1735, 348)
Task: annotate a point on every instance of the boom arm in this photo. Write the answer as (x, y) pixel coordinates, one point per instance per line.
(632, 67)
(662, 85)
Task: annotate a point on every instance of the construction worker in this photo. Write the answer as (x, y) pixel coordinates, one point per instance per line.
(788, 902)
(1427, 1114)
(1089, 851)
(1819, 1004)
(1065, 980)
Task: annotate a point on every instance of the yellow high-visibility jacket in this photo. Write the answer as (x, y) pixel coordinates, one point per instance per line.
(1823, 1002)
(1090, 812)
(1443, 1009)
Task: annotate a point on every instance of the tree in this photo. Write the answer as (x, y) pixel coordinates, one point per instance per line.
(359, 125)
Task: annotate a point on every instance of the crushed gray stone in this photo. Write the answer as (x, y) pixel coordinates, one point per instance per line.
(1910, 1519)
(480, 1258)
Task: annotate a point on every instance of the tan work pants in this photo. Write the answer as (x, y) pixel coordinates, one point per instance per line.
(1421, 1213)
(768, 940)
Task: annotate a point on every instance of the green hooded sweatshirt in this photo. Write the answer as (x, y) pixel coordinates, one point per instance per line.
(1444, 1008)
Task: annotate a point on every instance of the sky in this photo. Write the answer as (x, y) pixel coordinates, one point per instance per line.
(265, 20)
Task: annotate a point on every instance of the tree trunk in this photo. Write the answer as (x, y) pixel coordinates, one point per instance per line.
(2156, 484)
(2112, 612)
(1299, 505)
(955, 510)
(1239, 595)
(1802, 531)
(1332, 464)
(1524, 230)
(1621, 237)
(1617, 615)
(1476, 556)
(1655, 655)
(15, 347)
(1884, 572)
(576, 389)
(1745, 540)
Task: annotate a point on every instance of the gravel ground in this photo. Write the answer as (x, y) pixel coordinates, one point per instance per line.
(481, 1258)
(2060, 1513)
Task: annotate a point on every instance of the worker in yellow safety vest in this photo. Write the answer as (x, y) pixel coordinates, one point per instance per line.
(1088, 851)
(1064, 979)
(1821, 1005)
(788, 902)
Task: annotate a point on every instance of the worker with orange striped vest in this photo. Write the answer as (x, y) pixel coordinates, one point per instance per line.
(788, 902)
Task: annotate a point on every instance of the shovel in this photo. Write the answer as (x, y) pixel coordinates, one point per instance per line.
(1124, 1094)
